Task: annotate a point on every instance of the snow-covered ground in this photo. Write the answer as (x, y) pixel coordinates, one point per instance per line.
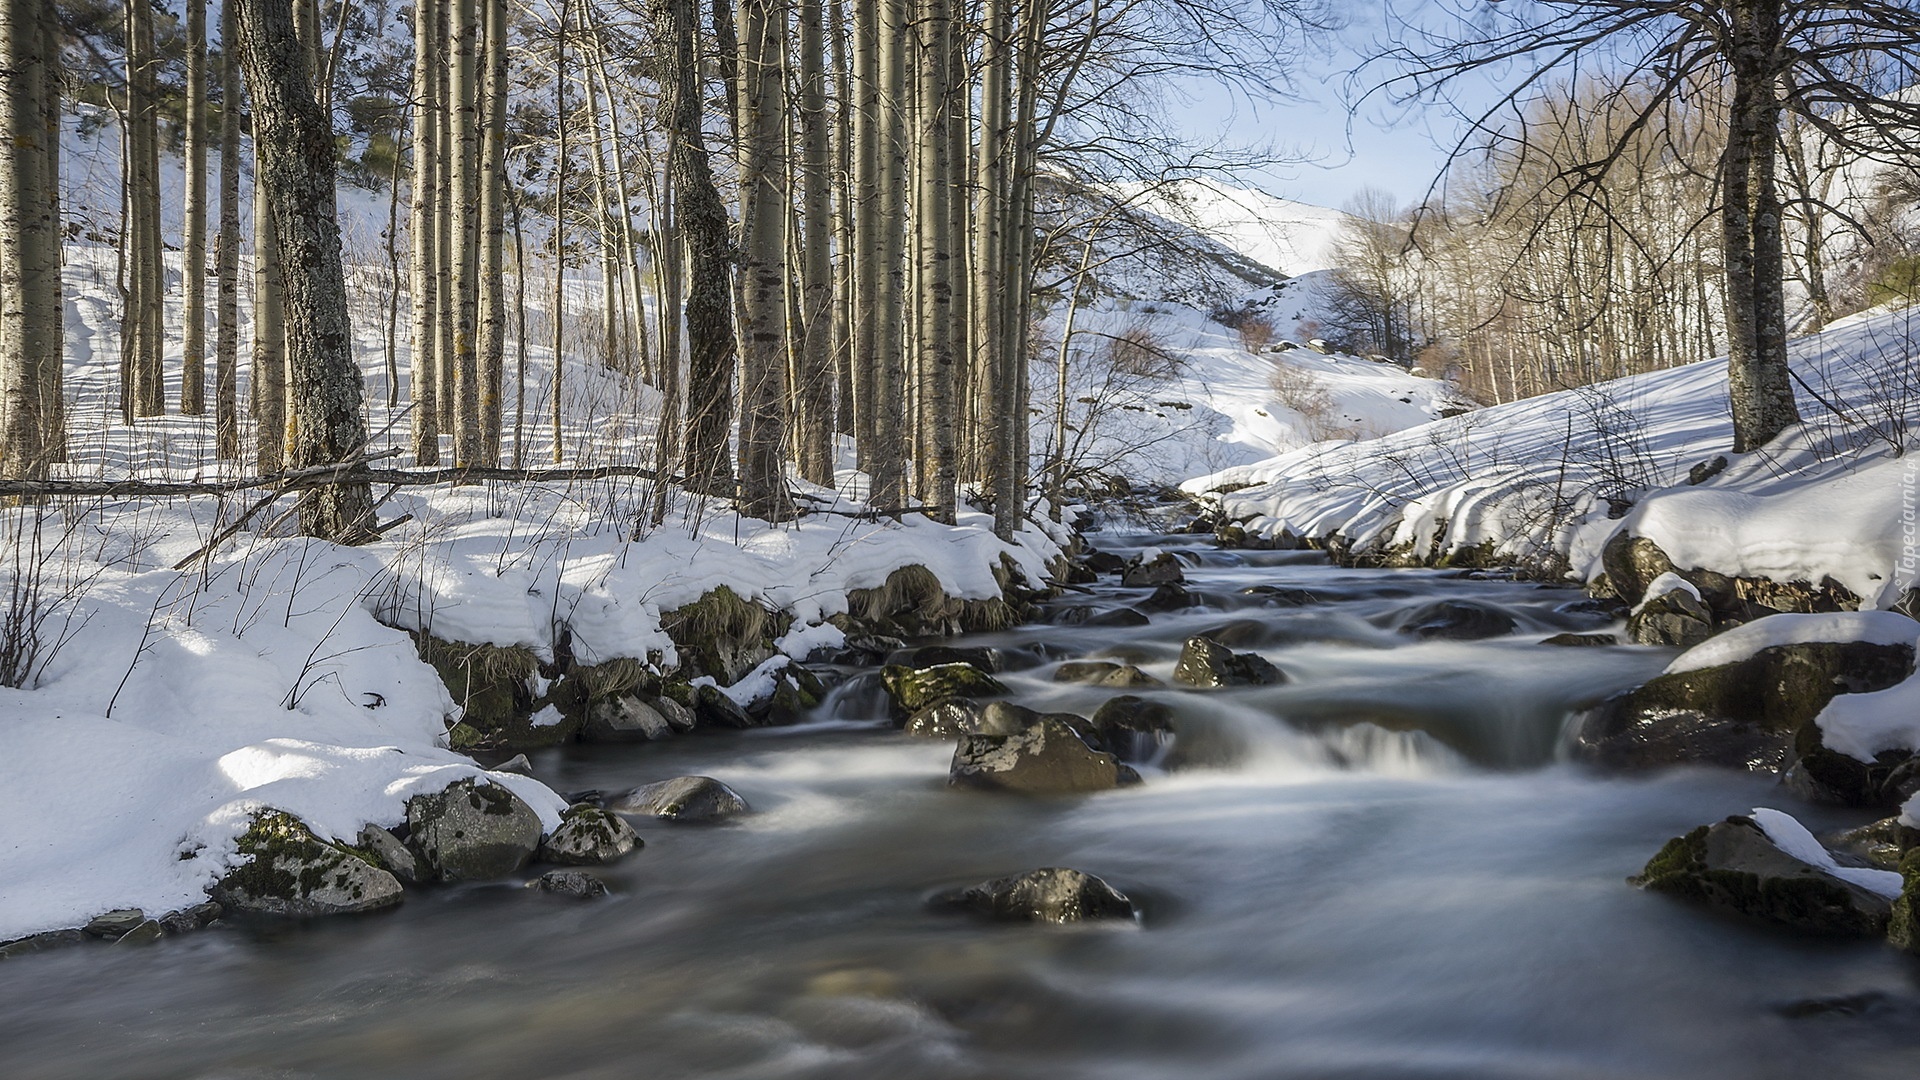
(1559, 474)
(1294, 238)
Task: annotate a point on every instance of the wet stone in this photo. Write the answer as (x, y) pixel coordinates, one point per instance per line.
(115, 924)
(682, 799)
(1050, 895)
(573, 884)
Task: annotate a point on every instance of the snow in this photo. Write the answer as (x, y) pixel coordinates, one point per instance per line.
(1542, 480)
(1793, 838)
(1667, 583)
(1741, 642)
(1292, 237)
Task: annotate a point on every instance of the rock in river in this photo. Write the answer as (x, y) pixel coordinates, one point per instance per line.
(1736, 865)
(913, 689)
(577, 884)
(1162, 569)
(683, 798)
(1104, 673)
(286, 870)
(588, 835)
(1054, 894)
(1207, 664)
(473, 831)
(1047, 758)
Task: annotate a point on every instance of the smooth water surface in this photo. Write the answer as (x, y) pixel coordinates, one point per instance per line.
(1377, 870)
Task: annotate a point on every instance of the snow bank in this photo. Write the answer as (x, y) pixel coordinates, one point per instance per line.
(1548, 478)
(1735, 645)
(1793, 838)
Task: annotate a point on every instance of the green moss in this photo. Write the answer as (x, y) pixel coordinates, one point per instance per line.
(913, 690)
(1675, 868)
(1903, 930)
(491, 683)
(276, 839)
(464, 736)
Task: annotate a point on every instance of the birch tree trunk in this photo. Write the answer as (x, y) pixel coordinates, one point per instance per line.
(463, 102)
(991, 369)
(193, 259)
(558, 314)
(30, 327)
(864, 217)
(423, 283)
(815, 367)
(888, 459)
(844, 107)
(226, 365)
(143, 334)
(763, 214)
(493, 223)
(934, 258)
(445, 248)
(297, 182)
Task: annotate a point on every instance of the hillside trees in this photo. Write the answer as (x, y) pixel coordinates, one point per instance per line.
(1837, 64)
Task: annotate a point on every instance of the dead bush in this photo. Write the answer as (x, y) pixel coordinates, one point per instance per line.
(1138, 350)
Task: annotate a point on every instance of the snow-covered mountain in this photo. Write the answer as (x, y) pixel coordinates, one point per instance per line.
(1292, 237)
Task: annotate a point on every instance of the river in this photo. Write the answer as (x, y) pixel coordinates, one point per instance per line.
(1382, 869)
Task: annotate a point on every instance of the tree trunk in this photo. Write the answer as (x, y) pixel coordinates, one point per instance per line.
(424, 339)
(268, 385)
(463, 93)
(844, 107)
(193, 258)
(932, 217)
(493, 230)
(143, 334)
(297, 181)
(445, 247)
(558, 315)
(226, 366)
(707, 465)
(763, 214)
(1759, 382)
(30, 305)
(864, 217)
(814, 394)
(889, 390)
(989, 307)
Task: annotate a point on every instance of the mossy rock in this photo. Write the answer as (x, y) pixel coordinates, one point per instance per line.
(913, 603)
(1207, 664)
(913, 689)
(588, 836)
(475, 830)
(580, 689)
(1903, 927)
(723, 635)
(492, 684)
(1734, 866)
(288, 871)
(1747, 714)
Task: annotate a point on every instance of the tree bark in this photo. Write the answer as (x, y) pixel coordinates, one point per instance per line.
(30, 330)
(704, 228)
(934, 258)
(226, 365)
(423, 282)
(193, 259)
(558, 315)
(491, 362)
(268, 385)
(463, 93)
(814, 394)
(764, 208)
(297, 181)
(889, 391)
(1760, 387)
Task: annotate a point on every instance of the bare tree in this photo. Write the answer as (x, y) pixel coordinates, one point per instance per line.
(295, 148)
(30, 329)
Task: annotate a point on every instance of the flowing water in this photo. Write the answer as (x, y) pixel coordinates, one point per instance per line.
(1378, 870)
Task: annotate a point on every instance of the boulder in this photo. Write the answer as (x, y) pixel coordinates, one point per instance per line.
(711, 708)
(114, 924)
(1736, 866)
(1632, 563)
(1207, 664)
(189, 919)
(575, 884)
(913, 689)
(1170, 597)
(1882, 843)
(145, 934)
(624, 718)
(588, 836)
(518, 765)
(1053, 895)
(1048, 758)
(52, 939)
(682, 799)
(1755, 713)
(1456, 620)
(475, 830)
(1105, 673)
(1133, 728)
(393, 856)
(986, 658)
(1146, 573)
(1118, 618)
(947, 720)
(286, 870)
(795, 692)
(1103, 562)
(679, 717)
(1676, 616)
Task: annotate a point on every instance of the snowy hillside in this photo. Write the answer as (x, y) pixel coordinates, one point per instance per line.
(1561, 473)
(1292, 237)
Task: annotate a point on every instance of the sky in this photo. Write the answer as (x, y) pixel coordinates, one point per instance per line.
(1334, 154)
